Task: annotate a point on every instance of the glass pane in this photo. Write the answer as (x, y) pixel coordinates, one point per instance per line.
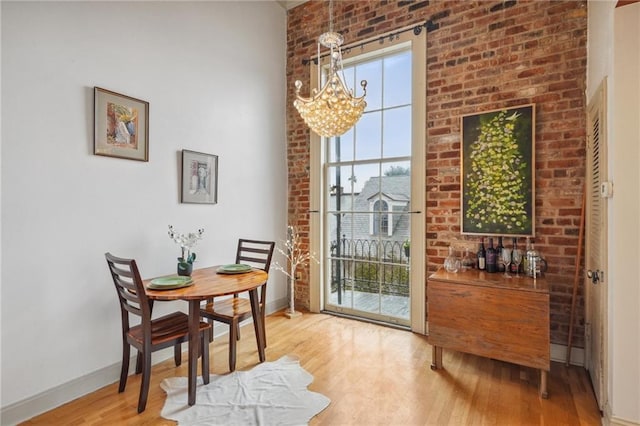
(367, 185)
(366, 286)
(395, 290)
(340, 293)
(398, 168)
(341, 147)
(397, 80)
(340, 183)
(368, 140)
(397, 132)
(349, 76)
(372, 72)
(359, 237)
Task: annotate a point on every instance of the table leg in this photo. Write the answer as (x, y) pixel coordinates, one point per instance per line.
(257, 321)
(543, 384)
(194, 341)
(436, 357)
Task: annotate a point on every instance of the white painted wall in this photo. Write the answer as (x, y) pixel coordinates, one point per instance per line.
(214, 75)
(607, 57)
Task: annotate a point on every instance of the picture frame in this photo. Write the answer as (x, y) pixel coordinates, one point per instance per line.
(199, 178)
(121, 125)
(497, 172)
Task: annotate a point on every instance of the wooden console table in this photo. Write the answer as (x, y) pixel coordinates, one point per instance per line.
(492, 316)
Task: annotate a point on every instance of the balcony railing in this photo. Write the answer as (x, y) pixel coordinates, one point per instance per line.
(371, 266)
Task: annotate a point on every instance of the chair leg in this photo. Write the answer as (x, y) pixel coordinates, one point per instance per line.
(210, 321)
(144, 385)
(139, 363)
(204, 344)
(264, 328)
(264, 335)
(233, 338)
(237, 331)
(177, 354)
(124, 372)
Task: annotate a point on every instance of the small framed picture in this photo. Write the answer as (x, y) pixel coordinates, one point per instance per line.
(121, 126)
(199, 177)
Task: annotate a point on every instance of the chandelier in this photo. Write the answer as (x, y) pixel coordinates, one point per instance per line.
(334, 109)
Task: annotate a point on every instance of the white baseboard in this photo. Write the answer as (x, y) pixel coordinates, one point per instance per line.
(610, 420)
(615, 421)
(66, 392)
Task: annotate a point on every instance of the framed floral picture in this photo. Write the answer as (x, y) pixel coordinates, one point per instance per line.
(121, 126)
(498, 172)
(199, 177)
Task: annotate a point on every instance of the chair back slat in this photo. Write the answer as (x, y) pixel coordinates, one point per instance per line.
(132, 309)
(256, 253)
(130, 290)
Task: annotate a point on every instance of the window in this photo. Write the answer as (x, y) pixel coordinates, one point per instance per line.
(380, 218)
(363, 184)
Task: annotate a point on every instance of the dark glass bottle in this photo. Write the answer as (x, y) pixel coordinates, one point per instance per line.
(491, 257)
(499, 264)
(482, 256)
(513, 267)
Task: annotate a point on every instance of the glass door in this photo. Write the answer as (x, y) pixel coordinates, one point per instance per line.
(367, 197)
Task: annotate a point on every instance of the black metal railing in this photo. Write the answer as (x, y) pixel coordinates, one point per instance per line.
(371, 266)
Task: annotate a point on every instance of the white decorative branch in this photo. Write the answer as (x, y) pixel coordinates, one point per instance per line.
(296, 255)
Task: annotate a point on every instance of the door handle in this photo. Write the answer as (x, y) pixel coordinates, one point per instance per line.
(594, 275)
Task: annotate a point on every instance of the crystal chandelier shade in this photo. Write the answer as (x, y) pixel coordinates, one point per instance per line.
(334, 109)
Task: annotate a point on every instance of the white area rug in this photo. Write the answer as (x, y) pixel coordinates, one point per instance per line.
(272, 393)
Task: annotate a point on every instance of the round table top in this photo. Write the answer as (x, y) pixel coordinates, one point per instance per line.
(207, 283)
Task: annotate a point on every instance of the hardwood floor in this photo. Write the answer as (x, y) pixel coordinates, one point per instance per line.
(373, 375)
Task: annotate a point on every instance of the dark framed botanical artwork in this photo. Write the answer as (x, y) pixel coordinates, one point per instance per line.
(498, 172)
(199, 178)
(121, 125)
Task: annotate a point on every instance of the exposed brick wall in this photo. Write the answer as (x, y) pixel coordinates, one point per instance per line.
(481, 55)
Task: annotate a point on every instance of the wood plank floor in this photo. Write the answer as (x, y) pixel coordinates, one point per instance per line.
(374, 375)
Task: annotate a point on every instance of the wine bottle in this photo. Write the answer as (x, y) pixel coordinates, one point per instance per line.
(526, 259)
(534, 261)
(513, 267)
(482, 256)
(499, 264)
(491, 257)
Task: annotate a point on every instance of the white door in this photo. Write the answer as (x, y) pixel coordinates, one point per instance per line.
(596, 243)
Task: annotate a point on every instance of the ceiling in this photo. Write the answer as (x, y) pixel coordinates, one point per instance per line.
(290, 4)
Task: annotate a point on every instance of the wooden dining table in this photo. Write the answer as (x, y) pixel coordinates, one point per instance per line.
(209, 283)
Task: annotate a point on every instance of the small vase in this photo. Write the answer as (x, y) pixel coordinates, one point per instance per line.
(185, 269)
(452, 263)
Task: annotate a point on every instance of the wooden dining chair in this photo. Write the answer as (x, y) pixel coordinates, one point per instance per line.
(151, 334)
(232, 311)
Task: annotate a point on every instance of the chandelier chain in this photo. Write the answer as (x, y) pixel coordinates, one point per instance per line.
(330, 16)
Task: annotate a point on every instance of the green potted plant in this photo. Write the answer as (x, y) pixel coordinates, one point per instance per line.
(407, 247)
(186, 242)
